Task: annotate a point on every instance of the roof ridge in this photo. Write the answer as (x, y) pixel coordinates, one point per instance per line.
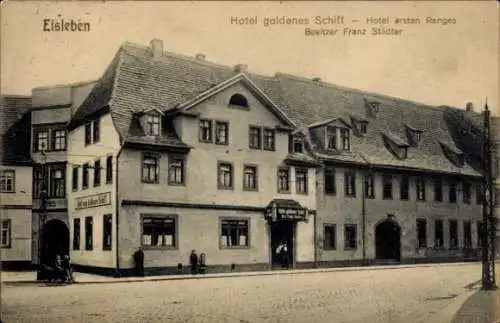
(44, 87)
(359, 91)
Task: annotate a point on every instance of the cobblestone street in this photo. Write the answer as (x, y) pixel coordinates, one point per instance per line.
(391, 295)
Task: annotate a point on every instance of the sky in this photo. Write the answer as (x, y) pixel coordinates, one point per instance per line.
(436, 64)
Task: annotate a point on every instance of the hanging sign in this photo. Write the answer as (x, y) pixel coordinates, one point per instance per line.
(93, 201)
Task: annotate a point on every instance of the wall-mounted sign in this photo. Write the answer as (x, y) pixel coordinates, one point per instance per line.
(93, 201)
(281, 213)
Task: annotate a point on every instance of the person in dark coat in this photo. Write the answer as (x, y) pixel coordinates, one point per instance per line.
(282, 252)
(193, 262)
(66, 264)
(139, 262)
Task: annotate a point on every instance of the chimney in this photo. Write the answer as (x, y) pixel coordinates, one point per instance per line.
(469, 106)
(157, 48)
(240, 68)
(317, 79)
(200, 57)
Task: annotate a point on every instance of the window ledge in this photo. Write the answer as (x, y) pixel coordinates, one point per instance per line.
(284, 192)
(234, 247)
(176, 184)
(224, 188)
(172, 248)
(8, 192)
(247, 189)
(149, 182)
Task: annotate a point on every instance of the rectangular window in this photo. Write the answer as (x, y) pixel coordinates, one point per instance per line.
(41, 140)
(422, 233)
(452, 192)
(153, 125)
(350, 236)
(269, 139)
(37, 183)
(467, 234)
(438, 234)
(176, 170)
(404, 188)
(85, 176)
(96, 130)
(438, 190)
(206, 130)
(97, 173)
(283, 180)
(57, 182)
(234, 233)
(159, 231)
(5, 232)
(7, 181)
(331, 138)
(89, 233)
(479, 194)
(74, 178)
(330, 237)
(76, 234)
(420, 189)
(58, 140)
(345, 138)
(466, 194)
(88, 133)
(221, 133)
(107, 231)
(254, 137)
(350, 183)
(453, 234)
(387, 186)
(250, 178)
(298, 145)
(225, 176)
(301, 181)
(150, 169)
(109, 169)
(363, 127)
(369, 186)
(329, 178)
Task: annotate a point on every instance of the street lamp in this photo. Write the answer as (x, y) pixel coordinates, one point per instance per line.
(489, 232)
(42, 216)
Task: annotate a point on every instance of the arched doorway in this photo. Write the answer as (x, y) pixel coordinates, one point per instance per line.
(55, 240)
(388, 240)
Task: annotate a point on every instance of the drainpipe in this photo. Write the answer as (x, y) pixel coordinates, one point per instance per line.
(117, 217)
(363, 210)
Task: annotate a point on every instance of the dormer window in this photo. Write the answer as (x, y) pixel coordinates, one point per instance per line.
(396, 145)
(238, 100)
(372, 106)
(454, 155)
(298, 145)
(345, 139)
(331, 138)
(363, 127)
(414, 134)
(153, 125)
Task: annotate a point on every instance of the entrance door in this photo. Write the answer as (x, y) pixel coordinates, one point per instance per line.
(282, 231)
(55, 240)
(388, 240)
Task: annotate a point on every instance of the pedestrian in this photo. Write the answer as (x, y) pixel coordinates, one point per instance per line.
(193, 262)
(282, 253)
(66, 264)
(139, 262)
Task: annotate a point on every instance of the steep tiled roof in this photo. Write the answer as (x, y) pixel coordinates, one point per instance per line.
(135, 82)
(15, 130)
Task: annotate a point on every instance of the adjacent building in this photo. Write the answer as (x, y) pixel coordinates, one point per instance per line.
(167, 154)
(15, 183)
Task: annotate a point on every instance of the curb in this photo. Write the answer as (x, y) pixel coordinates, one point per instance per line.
(247, 274)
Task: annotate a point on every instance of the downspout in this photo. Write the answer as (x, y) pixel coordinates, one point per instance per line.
(117, 216)
(363, 210)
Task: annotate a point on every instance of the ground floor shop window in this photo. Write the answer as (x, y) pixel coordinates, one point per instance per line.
(107, 226)
(234, 233)
(330, 238)
(350, 236)
(5, 231)
(453, 234)
(159, 231)
(467, 234)
(89, 224)
(438, 234)
(76, 234)
(422, 233)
